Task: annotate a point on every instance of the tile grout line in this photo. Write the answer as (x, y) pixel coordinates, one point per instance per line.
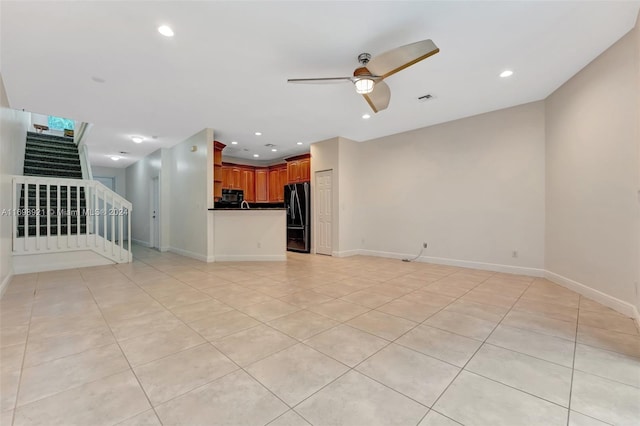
(573, 363)
(480, 347)
(24, 354)
(339, 323)
(240, 368)
(128, 362)
(376, 352)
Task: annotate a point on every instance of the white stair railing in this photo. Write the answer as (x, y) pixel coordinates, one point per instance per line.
(56, 215)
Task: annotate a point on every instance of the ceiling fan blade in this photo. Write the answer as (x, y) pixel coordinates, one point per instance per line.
(379, 98)
(328, 80)
(402, 57)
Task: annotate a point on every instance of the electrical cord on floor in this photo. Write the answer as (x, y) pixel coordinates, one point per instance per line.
(417, 257)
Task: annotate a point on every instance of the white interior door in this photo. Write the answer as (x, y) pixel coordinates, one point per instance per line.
(323, 210)
(155, 213)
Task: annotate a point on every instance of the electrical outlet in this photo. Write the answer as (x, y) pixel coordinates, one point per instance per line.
(424, 245)
(514, 253)
(259, 245)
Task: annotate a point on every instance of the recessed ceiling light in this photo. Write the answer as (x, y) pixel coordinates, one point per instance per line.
(114, 157)
(274, 150)
(506, 73)
(137, 139)
(165, 30)
(366, 116)
(234, 143)
(299, 143)
(256, 155)
(258, 134)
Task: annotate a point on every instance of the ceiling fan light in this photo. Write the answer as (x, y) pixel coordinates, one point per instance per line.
(364, 86)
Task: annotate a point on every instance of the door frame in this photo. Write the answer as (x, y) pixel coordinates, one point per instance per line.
(154, 200)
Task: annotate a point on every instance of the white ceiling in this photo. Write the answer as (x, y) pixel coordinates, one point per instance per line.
(227, 66)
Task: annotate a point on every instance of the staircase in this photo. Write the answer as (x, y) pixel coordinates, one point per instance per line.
(51, 156)
(55, 210)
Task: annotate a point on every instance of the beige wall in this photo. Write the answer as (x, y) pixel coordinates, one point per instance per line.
(13, 136)
(255, 235)
(325, 156)
(473, 189)
(191, 194)
(592, 174)
(349, 204)
(119, 176)
(139, 185)
(636, 31)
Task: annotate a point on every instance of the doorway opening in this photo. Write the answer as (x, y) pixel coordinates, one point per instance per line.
(155, 213)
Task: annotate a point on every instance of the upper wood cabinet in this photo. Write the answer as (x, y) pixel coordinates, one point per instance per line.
(293, 171)
(248, 185)
(231, 177)
(299, 168)
(217, 170)
(305, 169)
(265, 184)
(262, 185)
(277, 180)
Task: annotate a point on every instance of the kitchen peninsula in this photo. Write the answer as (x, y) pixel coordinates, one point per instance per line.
(258, 233)
(249, 234)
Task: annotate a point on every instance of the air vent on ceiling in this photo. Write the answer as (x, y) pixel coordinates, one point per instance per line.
(123, 152)
(425, 98)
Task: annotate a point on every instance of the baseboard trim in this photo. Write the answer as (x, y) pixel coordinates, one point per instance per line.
(57, 261)
(495, 267)
(188, 253)
(614, 303)
(142, 243)
(346, 253)
(5, 282)
(251, 258)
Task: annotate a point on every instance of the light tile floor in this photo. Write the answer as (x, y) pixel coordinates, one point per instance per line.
(314, 340)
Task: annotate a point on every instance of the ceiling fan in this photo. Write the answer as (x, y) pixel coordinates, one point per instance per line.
(368, 79)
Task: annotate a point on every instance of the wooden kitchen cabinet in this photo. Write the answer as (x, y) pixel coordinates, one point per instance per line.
(293, 171)
(305, 170)
(283, 182)
(277, 180)
(217, 170)
(262, 185)
(226, 177)
(231, 177)
(299, 168)
(248, 185)
(266, 184)
(274, 183)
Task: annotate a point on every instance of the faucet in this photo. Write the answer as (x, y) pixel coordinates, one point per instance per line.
(243, 204)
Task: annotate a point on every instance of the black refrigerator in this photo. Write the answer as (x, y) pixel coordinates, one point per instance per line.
(297, 200)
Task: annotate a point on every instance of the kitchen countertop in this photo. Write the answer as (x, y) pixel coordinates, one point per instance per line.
(251, 209)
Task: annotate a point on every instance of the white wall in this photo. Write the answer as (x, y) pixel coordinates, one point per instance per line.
(191, 187)
(349, 204)
(13, 134)
(473, 189)
(636, 32)
(325, 156)
(138, 188)
(257, 235)
(593, 230)
(119, 176)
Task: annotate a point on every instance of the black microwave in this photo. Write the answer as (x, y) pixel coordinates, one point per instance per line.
(232, 197)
